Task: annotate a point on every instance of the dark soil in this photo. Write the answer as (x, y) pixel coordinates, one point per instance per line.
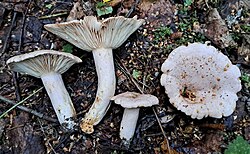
(137, 62)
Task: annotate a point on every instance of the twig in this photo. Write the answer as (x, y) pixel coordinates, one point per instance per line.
(8, 34)
(20, 102)
(16, 85)
(17, 93)
(125, 70)
(53, 15)
(132, 8)
(15, 127)
(46, 137)
(22, 29)
(3, 86)
(163, 132)
(23, 108)
(14, 74)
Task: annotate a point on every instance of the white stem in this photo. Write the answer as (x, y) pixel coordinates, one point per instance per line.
(128, 124)
(106, 89)
(60, 99)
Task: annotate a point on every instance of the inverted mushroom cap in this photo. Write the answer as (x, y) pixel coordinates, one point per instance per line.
(41, 62)
(89, 34)
(135, 100)
(201, 81)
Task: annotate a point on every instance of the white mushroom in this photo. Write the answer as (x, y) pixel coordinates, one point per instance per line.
(132, 102)
(49, 65)
(100, 37)
(201, 81)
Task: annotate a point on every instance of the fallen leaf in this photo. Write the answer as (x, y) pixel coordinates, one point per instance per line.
(164, 148)
(244, 50)
(157, 12)
(216, 30)
(76, 12)
(176, 35)
(114, 2)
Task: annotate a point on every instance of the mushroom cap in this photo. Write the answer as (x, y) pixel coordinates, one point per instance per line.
(135, 100)
(201, 81)
(41, 62)
(89, 34)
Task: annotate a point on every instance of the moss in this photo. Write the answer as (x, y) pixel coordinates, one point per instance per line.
(238, 146)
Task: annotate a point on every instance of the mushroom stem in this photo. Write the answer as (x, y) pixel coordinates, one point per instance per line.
(106, 89)
(60, 99)
(128, 124)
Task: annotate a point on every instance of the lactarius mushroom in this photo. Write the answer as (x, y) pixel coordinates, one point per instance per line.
(49, 65)
(200, 81)
(132, 102)
(100, 37)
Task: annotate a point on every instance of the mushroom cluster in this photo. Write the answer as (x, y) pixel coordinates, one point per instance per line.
(200, 81)
(100, 37)
(49, 65)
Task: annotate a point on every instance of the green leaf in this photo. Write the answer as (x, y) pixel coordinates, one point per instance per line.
(245, 78)
(100, 5)
(68, 48)
(238, 146)
(161, 33)
(188, 2)
(103, 8)
(49, 6)
(136, 74)
(183, 26)
(246, 28)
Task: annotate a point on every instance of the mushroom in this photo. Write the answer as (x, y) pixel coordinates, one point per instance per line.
(49, 65)
(200, 81)
(100, 37)
(132, 102)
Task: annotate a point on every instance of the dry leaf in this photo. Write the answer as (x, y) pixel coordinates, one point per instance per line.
(158, 12)
(244, 50)
(164, 148)
(216, 30)
(114, 2)
(76, 12)
(176, 35)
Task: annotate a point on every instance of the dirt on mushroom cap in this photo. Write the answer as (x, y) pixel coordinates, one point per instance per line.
(201, 81)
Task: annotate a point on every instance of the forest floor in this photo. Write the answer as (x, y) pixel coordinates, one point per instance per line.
(169, 24)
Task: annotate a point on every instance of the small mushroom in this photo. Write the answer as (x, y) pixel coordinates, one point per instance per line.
(49, 65)
(132, 102)
(200, 81)
(100, 37)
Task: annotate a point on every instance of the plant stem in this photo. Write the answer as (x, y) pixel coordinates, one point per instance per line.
(20, 102)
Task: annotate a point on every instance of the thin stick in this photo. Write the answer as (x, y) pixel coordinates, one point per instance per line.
(132, 8)
(15, 74)
(22, 29)
(20, 102)
(46, 137)
(8, 34)
(163, 132)
(23, 108)
(16, 85)
(53, 15)
(125, 70)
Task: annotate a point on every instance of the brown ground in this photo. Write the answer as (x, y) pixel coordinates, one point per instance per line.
(137, 64)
